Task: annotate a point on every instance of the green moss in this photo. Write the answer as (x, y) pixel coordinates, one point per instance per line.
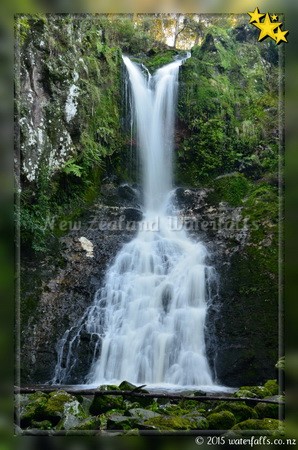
(169, 423)
(225, 109)
(223, 420)
(96, 128)
(56, 402)
(109, 387)
(259, 424)
(160, 59)
(73, 415)
(253, 392)
(34, 410)
(91, 423)
(272, 387)
(240, 410)
(43, 425)
(267, 410)
(172, 410)
(143, 402)
(119, 422)
(105, 403)
(127, 386)
(23, 28)
(231, 188)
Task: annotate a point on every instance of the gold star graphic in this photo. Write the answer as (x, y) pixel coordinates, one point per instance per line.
(255, 16)
(274, 17)
(267, 28)
(280, 35)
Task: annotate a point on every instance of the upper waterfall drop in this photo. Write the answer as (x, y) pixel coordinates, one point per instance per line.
(149, 316)
(154, 99)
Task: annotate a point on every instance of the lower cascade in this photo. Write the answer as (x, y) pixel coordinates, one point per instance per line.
(148, 319)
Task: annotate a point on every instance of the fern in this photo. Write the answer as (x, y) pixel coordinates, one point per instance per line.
(71, 167)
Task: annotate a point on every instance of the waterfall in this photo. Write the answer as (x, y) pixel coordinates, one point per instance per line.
(149, 316)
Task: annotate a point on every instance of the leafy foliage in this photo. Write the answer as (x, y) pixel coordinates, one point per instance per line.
(227, 104)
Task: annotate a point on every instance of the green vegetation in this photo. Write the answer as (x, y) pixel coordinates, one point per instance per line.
(240, 410)
(253, 392)
(59, 410)
(231, 188)
(272, 386)
(227, 108)
(223, 420)
(267, 410)
(259, 424)
(68, 180)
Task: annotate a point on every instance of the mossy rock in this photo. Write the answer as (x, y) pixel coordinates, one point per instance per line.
(240, 410)
(272, 387)
(86, 403)
(36, 395)
(56, 404)
(91, 423)
(197, 421)
(108, 387)
(143, 414)
(160, 59)
(104, 403)
(253, 392)
(259, 424)
(267, 410)
(73, 414)
(126, 386)
(119, 422)
(223, 420)
(172, 410)
(130, 405)
(34, 410)
(55, 407)
(193, 405)
(231, 188)
(172, 423)
(143, 402)
(42, 425)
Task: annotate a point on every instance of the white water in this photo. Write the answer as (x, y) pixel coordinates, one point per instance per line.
(151, 312)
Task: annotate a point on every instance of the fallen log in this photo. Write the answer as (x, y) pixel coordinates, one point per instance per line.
(134, 393)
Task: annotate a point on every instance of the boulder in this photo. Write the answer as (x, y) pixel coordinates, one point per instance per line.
(133, 215)
(129, 193)
(259, 424)
(126, 386)
(34, 409)
(119, 422)
(252, 392)
(58, 409)
(267, 410)
(90, 423)
(240, 410)
(104, 403)
(73, 414)
(142, 414)
(223, 420)
(272, 386)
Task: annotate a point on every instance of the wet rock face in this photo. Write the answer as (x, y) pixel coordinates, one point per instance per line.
(63, 287)
(242, 322)
(47, 101)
